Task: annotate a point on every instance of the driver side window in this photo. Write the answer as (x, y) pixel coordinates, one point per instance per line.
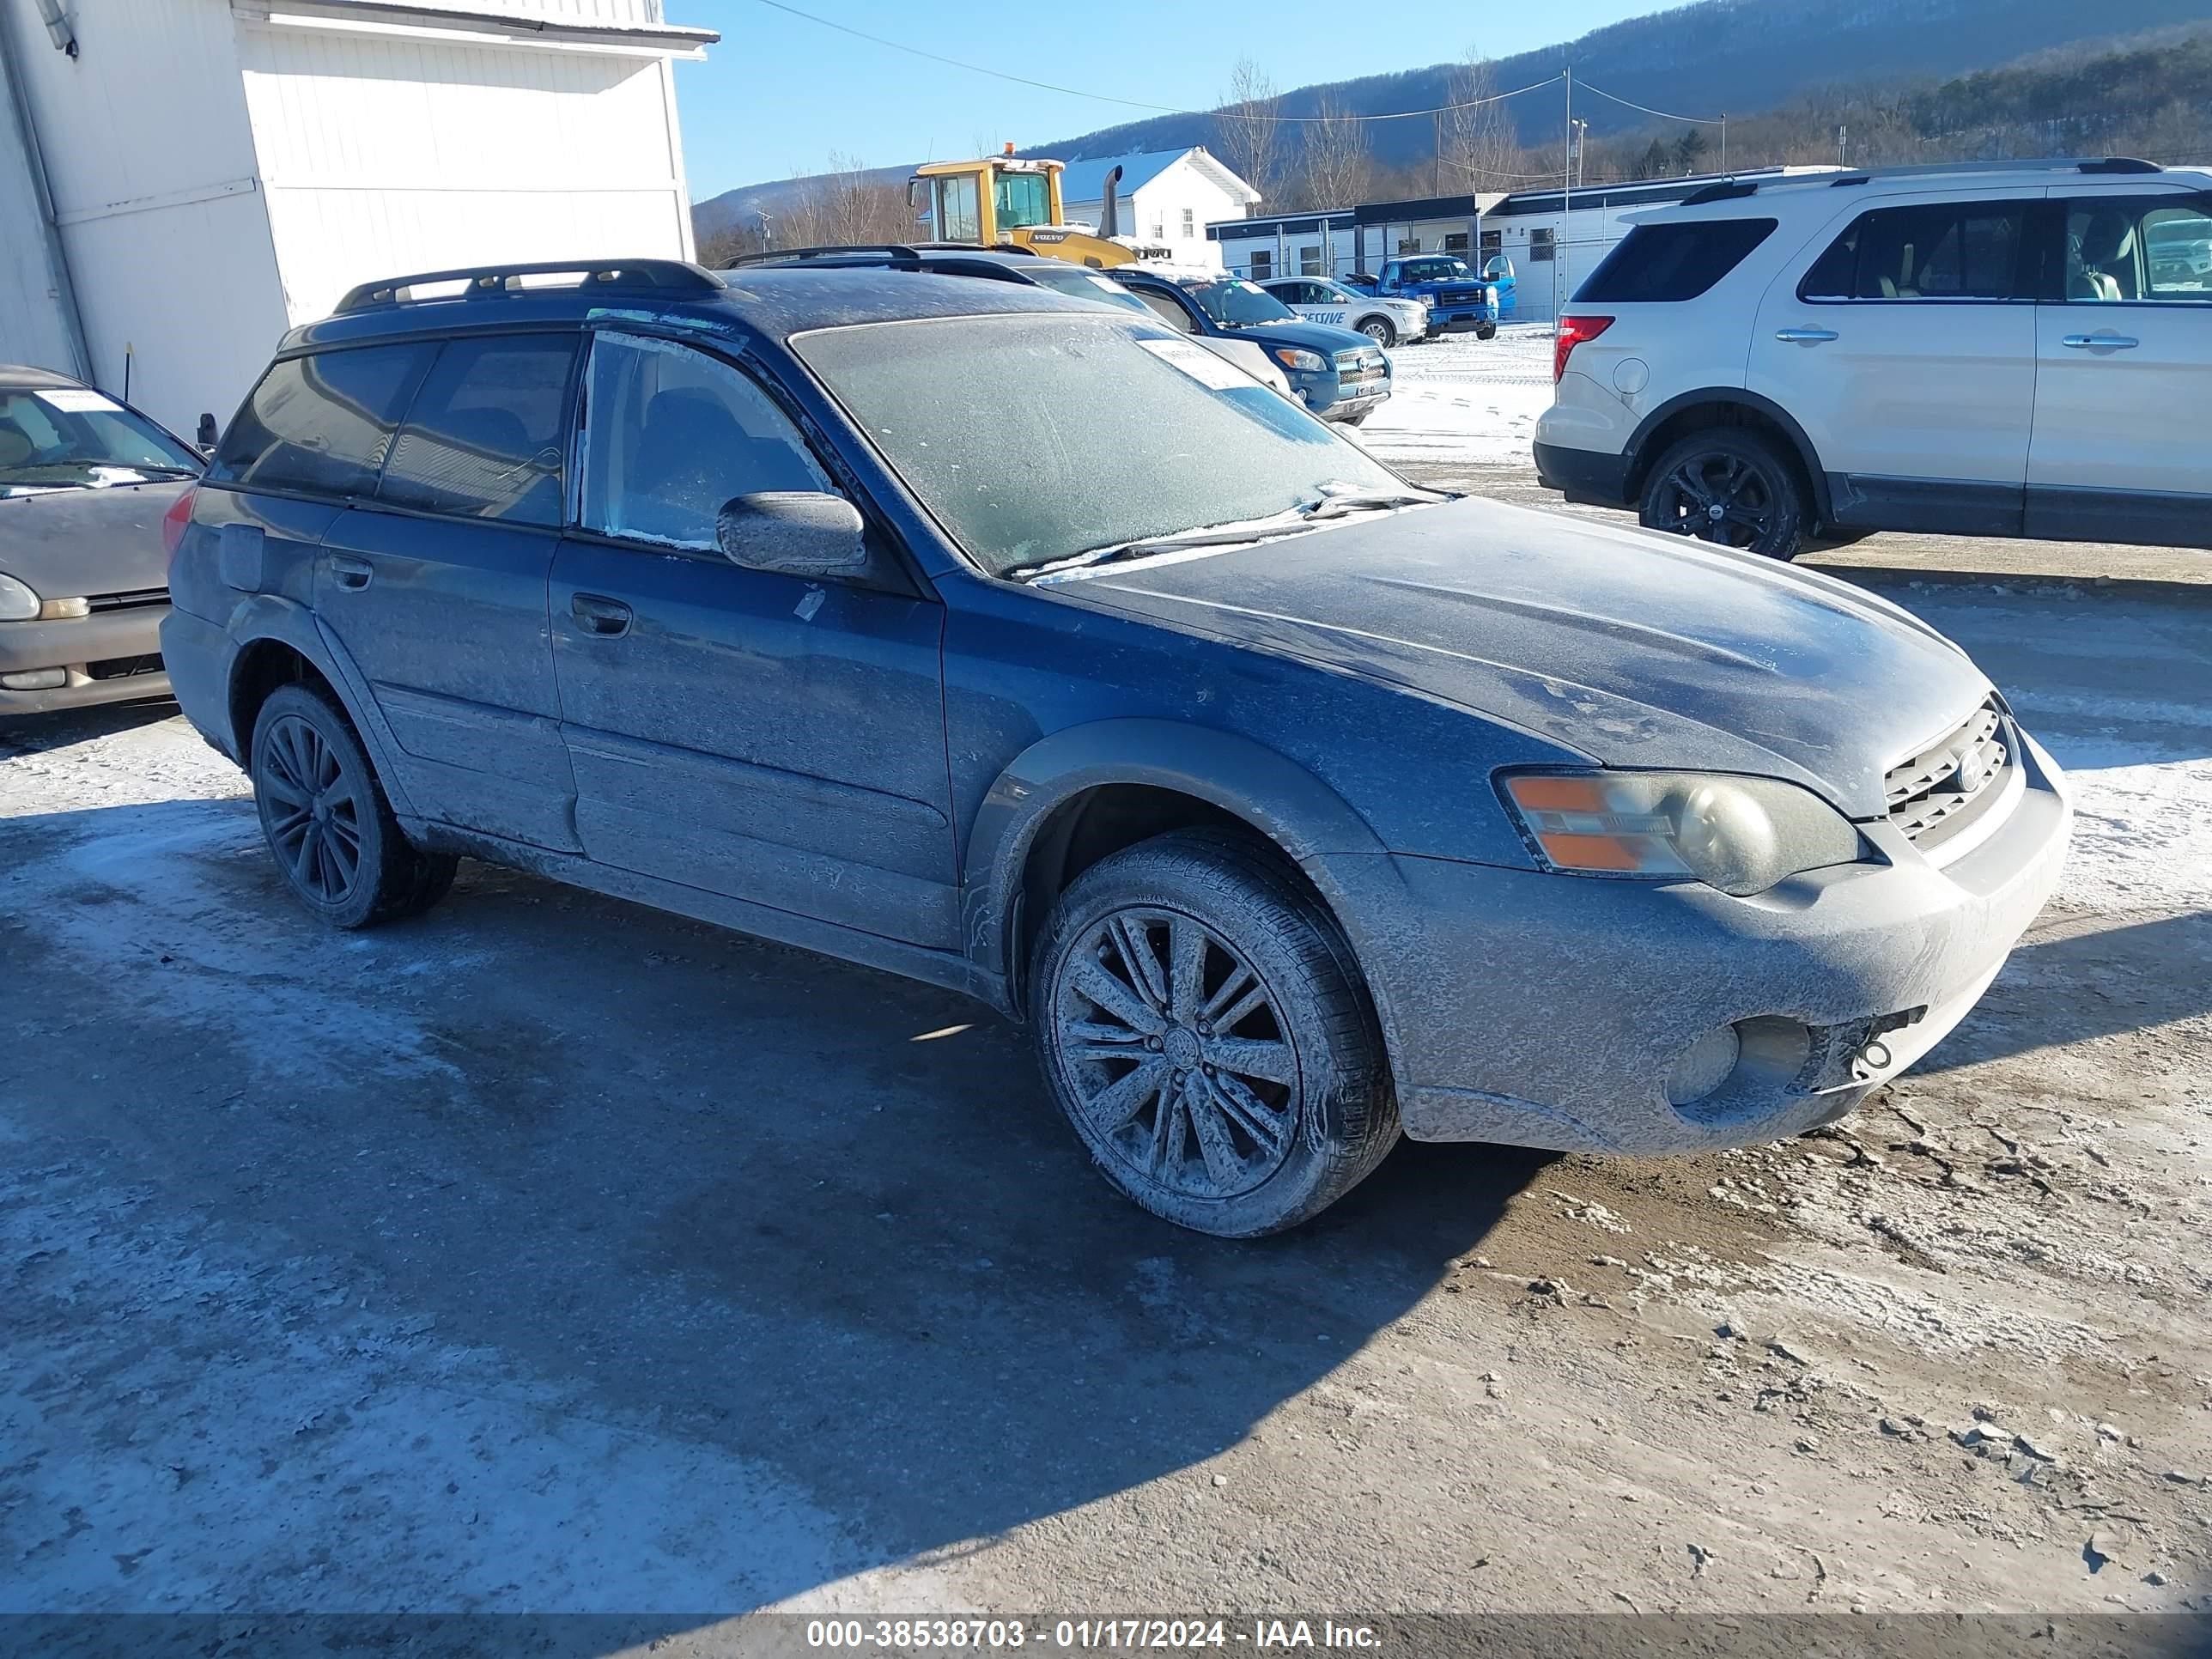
(671, 433)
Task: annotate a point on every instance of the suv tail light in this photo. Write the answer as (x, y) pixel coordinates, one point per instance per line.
(1573, 331)
(177, 520)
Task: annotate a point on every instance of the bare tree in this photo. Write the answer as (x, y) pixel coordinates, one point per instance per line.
(1480, 148)
(1335, 164)
(1251, 137)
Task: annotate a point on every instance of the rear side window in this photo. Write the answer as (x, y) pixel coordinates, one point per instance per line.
(1943, 251)
(1680, 261)
(323, 423)
(486, 435)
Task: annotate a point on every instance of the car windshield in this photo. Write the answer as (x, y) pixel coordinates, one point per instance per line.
(1073, 432)
(1439, 271)
(70, 437)
(1234, 303)
(1063, 278)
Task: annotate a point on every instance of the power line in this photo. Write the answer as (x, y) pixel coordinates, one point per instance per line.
(1664, 115)
(1134, 103)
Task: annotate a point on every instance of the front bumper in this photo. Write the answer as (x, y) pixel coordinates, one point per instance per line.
(103, 657)
(1545, 1010)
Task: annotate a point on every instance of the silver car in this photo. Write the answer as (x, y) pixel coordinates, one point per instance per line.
(84, 484)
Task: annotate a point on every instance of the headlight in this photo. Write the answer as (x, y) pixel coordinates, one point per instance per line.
(17, 602)
(1298, 358)
(1740, 834)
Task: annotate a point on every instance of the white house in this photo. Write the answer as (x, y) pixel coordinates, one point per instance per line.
(184, 180)
(1162, 196)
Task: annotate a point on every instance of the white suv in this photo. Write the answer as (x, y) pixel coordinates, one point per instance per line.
(2017, 348)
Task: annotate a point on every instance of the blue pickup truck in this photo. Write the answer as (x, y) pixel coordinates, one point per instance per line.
(1457, 298)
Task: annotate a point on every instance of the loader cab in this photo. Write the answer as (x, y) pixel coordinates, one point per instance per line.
(986, 201)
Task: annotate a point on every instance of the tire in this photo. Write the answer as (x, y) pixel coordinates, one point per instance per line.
(1379, 329)
(1360, 419)
(1216, 968)
(1485, 331)
(1728, 486)
(319, 800)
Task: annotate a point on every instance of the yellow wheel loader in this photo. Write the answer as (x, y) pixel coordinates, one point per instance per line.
(1006, 200)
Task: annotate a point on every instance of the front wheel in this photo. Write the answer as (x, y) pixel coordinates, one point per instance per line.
(1201, 1023)
(1379, 330)
(1728, 486)
(1485, 331)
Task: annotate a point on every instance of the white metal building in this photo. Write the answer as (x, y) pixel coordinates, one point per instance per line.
(184, 180)
(1170, 197)
(1554, 237)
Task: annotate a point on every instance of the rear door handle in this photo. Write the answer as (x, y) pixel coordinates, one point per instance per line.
(607, 618)
(352, 574)
(1804, 335)
(2099, 341)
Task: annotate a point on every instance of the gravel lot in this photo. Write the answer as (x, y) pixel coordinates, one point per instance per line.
(551, 1253)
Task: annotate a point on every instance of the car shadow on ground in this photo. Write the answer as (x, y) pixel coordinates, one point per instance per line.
(2071, 987)
(819, 1218)
(30, 734)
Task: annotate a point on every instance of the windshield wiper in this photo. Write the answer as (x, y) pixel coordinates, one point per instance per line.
(1329, 504)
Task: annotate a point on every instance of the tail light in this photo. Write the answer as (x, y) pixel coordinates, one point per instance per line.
(1573, 331)
(177, 520)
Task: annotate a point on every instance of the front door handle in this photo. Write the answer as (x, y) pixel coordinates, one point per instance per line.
(1804, 335)
(606, 618)
(352, 574)
(2099, 341)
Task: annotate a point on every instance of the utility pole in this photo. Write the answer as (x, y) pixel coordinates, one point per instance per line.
(1436, 155)
(1566, 211)
(1723, 140)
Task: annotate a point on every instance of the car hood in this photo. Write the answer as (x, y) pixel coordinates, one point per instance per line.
(1633, 648)
(1315, 337)
(72, 542)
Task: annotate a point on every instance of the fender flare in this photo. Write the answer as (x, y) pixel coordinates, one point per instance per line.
(1741, 397)
(272, 616)
(1289, 806)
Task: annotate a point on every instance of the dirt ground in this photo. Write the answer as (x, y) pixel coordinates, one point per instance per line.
(548, 1252)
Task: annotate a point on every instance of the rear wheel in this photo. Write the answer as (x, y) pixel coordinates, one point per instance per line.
(1201, 1022)
(1379, 329)
(326, 820)
(1728, 486)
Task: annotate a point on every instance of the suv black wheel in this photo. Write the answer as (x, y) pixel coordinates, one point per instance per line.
(327, 822)
(1728, 485)
(1379, 330)
(1201, 1023)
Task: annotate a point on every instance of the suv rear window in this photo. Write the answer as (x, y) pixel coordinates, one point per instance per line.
(1667, 262)
(322, 423)
(486, 437)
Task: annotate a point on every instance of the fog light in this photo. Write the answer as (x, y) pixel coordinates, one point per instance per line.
(36, 679)
(64, 610)
(1704, 1066)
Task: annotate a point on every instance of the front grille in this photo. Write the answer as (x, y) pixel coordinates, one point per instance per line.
(1938, 791)
(1460, 296)
(137, 599)
(124, 668)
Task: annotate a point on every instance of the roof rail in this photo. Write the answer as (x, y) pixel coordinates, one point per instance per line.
(778, 256)
(496, 281)
(1729, 189)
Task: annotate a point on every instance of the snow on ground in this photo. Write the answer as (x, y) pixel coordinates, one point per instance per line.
(1458, 400)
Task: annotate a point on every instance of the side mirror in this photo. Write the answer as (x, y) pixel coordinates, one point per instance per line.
(795, 532)
(206, 439)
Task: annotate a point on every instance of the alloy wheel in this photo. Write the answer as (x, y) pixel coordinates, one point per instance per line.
(1178, 1053)
(1718, 498)
(313, 809)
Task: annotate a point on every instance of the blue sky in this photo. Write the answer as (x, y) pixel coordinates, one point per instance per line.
(779, 93)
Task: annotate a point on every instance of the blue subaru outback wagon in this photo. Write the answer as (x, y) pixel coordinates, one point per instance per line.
(1016, 645)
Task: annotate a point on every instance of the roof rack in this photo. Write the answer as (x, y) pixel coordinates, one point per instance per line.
(832, 252)
(497, 282)
(1727, 190)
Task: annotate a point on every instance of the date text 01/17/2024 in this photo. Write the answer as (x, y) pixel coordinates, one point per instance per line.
(1012, 1635)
